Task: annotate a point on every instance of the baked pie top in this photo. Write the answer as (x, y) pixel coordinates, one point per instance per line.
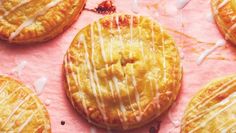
(122, 71)
(20, 109)
(27, 21)
(213, 109)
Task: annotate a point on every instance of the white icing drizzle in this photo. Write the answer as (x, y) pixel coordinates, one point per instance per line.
(223, 4)
(30, 21)
(101, 42)
(230, 30)
(67, 77)
(19, 116)
(137, 96)
(225, 125)
(119, 31)
(122, 43)
(122, 108)
(39, 84)
(36, 130)
(134, 82)
(26, 122)
(3, 86)
(180, 4)
(12, 93)
(1, 7)
(207, 52)
(47, 102)
(115, 80)
(95, 71)
(18, 69)
(111, 56)
(233, 18)
(163, 53)
(76, 78)
(92, 79)
(131, 29)
(228, 128)
(135, 6)
(14, 110)
(223, 102)
(209, 98)
(152, 26)
(139, 36)
(22, 2)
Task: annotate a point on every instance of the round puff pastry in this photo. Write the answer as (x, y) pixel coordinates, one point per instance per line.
(213, 109)
(122, 71)
(20, 109)
(30, 21)
(225, 15)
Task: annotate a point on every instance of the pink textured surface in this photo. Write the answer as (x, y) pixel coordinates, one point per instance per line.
(46, 60)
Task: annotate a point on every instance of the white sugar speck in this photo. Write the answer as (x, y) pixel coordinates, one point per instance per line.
(47, 102)
(135, 7)
(210, 17)
(19, 68)
(220, 42)
(175, 122)
(40, 84)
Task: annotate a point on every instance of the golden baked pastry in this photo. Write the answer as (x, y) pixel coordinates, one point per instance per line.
(213, 109)
(122, 71)
(29, 21)
(224, 12)
(20, 109)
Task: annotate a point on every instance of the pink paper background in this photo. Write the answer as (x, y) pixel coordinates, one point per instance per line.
(46, 60)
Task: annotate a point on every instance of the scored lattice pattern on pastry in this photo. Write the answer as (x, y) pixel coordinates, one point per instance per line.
(224, 12)
(27, 21)
(20, 109)
(213, 109)
(122, 71)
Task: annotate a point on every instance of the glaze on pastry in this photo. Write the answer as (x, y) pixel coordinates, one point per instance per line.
(122, 71)
(20, 109)
(213, 109)
(225, 15)
(29, 21)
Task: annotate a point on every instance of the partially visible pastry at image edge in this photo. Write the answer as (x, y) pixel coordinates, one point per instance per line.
(213, 109)
(224, 12)
(21, 110)
(33, 21)
(122, 72)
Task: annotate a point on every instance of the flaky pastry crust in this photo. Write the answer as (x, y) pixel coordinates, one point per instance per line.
(30, 21)
(213, 109)
(122, 71)
(20, 109)
(224, 12)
